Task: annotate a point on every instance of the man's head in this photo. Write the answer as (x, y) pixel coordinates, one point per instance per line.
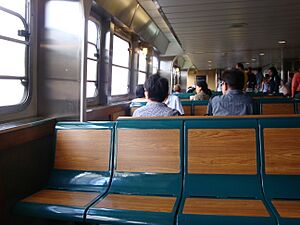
(232, 80)
(156, 88)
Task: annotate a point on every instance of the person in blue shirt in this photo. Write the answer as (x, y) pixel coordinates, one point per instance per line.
(233, 101)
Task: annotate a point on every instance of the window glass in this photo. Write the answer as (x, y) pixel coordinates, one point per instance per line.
(120, 52)
(14, 5)
(92, 60)
(13, 53)
(91, 89)
(9, 25)
(141, 78)
(93, 32)
(119, 81)
(11, 92)
(142, 62)
(92, 50)
(155, 65)
(92, 70)
(120, 75)
(12, 58)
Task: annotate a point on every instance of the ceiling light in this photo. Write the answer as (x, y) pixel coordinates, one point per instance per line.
(209, 61)
(238, 25)
(261, 54)
(247, 63)
(282, 42)
(253, 59)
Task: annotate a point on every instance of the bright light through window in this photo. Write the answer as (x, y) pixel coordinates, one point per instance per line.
(120, 68)
(14, 5)
(12, 58)
(11, 92)
(13, 53)
(92, 60)
(155, 65)
(119, 81)
(9, 25)
(141, 78)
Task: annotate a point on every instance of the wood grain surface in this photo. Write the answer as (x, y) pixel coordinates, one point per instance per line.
(225, 207)
(59, 197)
(282, 150)
(148, 150)
(287, 209)
(280, 108)
(222, 151)
(83, 150)
(200, 110)
(139, 203)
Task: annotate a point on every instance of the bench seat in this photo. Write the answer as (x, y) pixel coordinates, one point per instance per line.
(81, 173)
(281, 167)
(147, 181)
(222, 175)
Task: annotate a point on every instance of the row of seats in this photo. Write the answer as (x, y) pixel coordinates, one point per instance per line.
(179, 170)
(186, 96)
(262, 106)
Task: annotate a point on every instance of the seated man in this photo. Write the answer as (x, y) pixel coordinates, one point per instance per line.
(156, 91)
(233, 101)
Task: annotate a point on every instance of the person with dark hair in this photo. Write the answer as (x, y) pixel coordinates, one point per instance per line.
(259, 78)
(251, 84)
(156, 91)
(139, 94)
(274, 80)
(203, 93)
(239, 66)
(233, 101)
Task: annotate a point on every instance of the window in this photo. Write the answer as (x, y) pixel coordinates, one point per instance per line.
(92, 60)
(120, 67)
(155, 64)
(142, 67)
(14, 54)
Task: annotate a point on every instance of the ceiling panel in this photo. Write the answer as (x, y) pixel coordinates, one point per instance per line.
(229, 31)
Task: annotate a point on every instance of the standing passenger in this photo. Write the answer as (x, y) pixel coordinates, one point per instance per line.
(274, 80)
(239, 66)
(233, 101)
(156, 91)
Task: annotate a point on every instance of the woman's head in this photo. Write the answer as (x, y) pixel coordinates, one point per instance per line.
(140, 91)
(202, 86)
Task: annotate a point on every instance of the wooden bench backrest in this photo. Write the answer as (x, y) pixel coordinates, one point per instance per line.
(187, 110)
(148, 150)
(200, 110)
(83, 150)
(282, 151)
(222, 151)
(277, 108)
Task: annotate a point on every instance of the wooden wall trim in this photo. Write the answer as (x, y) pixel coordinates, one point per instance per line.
(26, 132)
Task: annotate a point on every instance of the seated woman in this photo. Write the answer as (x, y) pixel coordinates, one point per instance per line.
(203, 93)
(156, 91)
(139, 94)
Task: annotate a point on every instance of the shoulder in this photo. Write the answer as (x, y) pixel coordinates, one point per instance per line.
(139, 112)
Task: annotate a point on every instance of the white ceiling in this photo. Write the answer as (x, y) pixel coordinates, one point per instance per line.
(230, 31)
